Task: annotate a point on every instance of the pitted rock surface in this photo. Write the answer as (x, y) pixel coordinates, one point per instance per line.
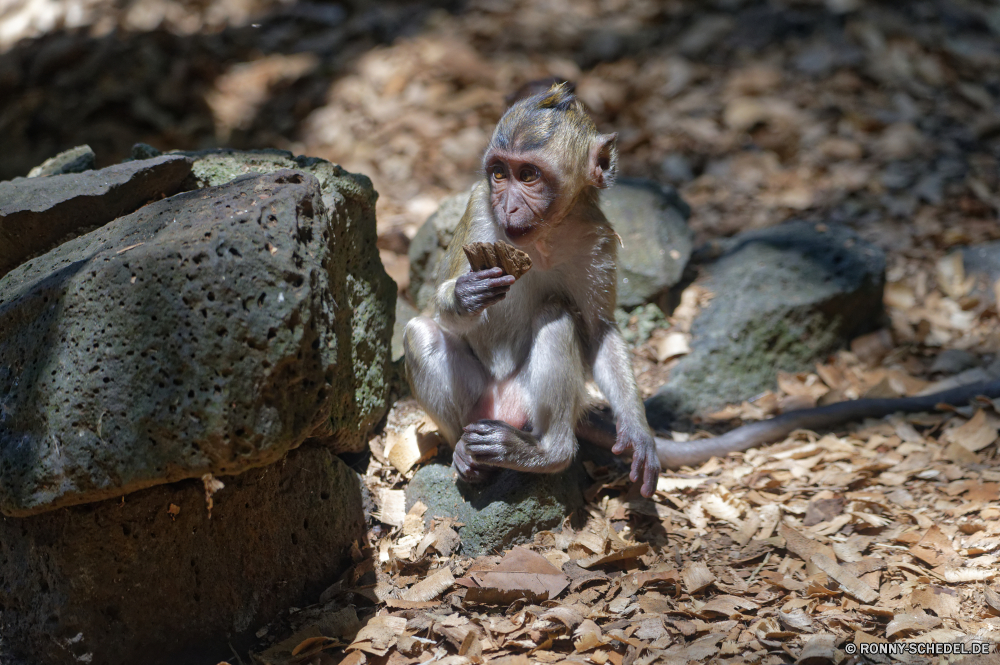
(507, 511)
(36, 214)
(784, 297)
(650, 218)
(209, 332)
(126, 582)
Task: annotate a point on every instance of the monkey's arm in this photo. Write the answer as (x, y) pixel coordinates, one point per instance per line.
(613, 374)
(673, 454)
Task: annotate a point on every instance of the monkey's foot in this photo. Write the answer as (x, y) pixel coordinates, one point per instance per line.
(468, 470)
(496, 443)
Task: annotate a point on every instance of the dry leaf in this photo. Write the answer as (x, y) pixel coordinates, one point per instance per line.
(697, 577)
(378, 635)
(850, 583)
(417, 443)
(392, 507)
(432, 587)
(523, 571)
(975, 434)
(672, 345)
(819, 650)
(728, 606)
(992, 599)
(915, 622)
(624, 554)
(313, 645)
(951, 276)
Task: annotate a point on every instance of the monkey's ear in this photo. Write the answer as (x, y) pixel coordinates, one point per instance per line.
(604, 160)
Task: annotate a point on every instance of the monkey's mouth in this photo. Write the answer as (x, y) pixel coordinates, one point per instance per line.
(517, 232)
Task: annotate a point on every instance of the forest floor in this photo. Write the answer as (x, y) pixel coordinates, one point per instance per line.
(880, 115)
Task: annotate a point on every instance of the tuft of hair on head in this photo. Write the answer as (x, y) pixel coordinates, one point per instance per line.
(536, 87)
(560, 97)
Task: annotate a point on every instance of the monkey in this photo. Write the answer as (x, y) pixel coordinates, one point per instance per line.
(502, 365)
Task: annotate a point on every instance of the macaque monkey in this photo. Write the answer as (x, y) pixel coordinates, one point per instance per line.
(501, 364)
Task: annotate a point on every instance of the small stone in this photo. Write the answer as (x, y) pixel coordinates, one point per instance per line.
(953, 361)
(74, 160)
(144, 151)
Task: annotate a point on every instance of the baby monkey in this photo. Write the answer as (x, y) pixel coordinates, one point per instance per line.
(502, 365)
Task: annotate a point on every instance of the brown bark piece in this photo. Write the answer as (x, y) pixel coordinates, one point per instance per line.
(486, 255)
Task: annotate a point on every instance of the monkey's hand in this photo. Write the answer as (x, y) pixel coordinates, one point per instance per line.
(645, 461)
(475, 291)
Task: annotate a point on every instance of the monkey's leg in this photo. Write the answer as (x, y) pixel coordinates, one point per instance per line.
(599, 429)
(445, 376)
(552, 388)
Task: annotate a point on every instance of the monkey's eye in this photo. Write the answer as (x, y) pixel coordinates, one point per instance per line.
(497, 172)
(528, 173)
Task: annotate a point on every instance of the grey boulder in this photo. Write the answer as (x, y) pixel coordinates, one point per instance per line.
(36, 214)
(651, 220)
(210, 332)
(155, 578)
(508, 510)
(784, 298)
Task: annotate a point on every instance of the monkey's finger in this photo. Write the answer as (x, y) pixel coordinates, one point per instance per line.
(486, 274)
(650, 475)
(504, 282)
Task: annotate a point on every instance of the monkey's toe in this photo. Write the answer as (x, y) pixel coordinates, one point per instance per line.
(475, 474)
(469, 471)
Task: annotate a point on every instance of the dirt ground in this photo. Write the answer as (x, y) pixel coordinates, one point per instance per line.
(884, 116)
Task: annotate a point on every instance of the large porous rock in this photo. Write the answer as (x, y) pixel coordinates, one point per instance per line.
(508, 510)
(982, 262)
(650, 218)
(38, 213)
(784, 297)
(155, 578)
(370, 293)
(210, 332)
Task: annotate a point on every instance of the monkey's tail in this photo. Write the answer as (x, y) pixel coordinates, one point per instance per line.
(598, 429)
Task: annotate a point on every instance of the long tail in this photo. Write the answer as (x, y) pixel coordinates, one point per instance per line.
(599, 429)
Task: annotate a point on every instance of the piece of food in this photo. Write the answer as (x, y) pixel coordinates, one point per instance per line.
(485, 255)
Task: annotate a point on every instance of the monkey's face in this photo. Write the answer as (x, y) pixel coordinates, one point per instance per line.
(522, 194)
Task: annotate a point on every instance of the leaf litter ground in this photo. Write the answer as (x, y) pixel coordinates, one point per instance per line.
(879, 115)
